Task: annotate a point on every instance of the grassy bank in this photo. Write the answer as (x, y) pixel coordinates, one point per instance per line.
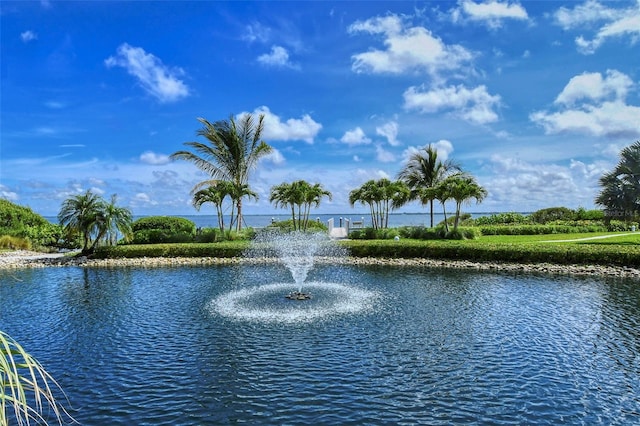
(614, 250)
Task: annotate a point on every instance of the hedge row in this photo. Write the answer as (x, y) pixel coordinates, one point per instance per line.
(223, 249)
(563, 254)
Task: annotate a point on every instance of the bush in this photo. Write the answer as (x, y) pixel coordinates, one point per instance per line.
(163, 229)
(552, 213)
(223, 250)
(501, 219)
(14, 243)
(287, 225)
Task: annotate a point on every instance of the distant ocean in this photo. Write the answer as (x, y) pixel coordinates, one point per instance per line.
(261, 221)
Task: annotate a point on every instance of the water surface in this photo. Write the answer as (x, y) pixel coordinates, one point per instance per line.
(153, 346)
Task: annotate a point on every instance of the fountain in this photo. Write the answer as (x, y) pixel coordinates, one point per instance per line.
(298, 252)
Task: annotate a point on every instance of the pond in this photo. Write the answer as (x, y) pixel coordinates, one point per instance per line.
(374, 345)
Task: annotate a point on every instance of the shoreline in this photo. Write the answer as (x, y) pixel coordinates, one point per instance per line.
(26, 259)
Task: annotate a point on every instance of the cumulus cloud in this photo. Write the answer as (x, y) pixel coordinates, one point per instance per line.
(278, 57)
(355, 137)
(595, 87)
(389, 130)
(28, 36)
(491, 13)
(301, 129)
(156, 79)
(594, 105)
(149, 157)
(474, 105)
(521, 185)
(406, 49)
(613, 23)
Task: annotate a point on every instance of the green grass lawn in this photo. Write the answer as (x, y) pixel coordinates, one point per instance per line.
(612, 238)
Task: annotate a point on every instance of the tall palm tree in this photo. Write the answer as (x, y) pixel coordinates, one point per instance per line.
(82, 214)
(423, 171)
(621, 187)
(231, 152)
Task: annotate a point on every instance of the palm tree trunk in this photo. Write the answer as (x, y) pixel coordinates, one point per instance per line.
(239, 218)
(431, 211)
(446, 224)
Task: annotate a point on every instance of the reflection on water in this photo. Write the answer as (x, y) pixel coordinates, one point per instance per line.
(149, 346)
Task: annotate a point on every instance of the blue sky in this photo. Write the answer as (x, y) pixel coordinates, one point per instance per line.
(534, 98)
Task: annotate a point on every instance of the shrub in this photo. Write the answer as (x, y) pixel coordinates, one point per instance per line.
(552, 213)
(501, 219)
(14, 243)
(163, 229)
(287, 225)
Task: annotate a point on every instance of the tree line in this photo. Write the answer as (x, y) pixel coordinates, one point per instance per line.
(232, 150)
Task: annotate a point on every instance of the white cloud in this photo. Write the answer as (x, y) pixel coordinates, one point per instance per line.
(355, 137)
(390, 131)
(491, 13)
(610, 119)
(520, 185)
(474, 105)
(7, 194)
(257, 32)
(384, 156)
(406, 49)
(593, 105)
(614, 23)
(587, 13)
(302, 129)
(149, 157)
(155, 78)
(28, 36)
(592, 86)
(278, 57)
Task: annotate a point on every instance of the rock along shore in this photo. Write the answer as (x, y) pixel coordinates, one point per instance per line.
(26, 259)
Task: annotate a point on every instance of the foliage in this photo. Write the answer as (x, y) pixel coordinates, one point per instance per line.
(501, 219)
(22, 223)
(14, 243)
(552, 214)
(557, 253)
(231, 153)
(223, 250)
(382, 196)
(94, 220)
(287, 225)
(215, 193)
(162, 229)
(540, 229)
(423, 172)
(620, 193)
(300, 196)
(26, 388)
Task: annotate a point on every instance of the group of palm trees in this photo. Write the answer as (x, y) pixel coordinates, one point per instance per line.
(95, 220)
(233, 148)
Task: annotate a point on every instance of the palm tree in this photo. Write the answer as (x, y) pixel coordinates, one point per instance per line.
(621, 187)
(81, 214)
(113, 220)
(382, 196)
(26, 388)
(215, 194)
(231, 153)
(423, 171)
(462, 188)
(300, 196)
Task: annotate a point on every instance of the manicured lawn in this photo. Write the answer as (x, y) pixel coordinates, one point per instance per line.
(611, 238)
